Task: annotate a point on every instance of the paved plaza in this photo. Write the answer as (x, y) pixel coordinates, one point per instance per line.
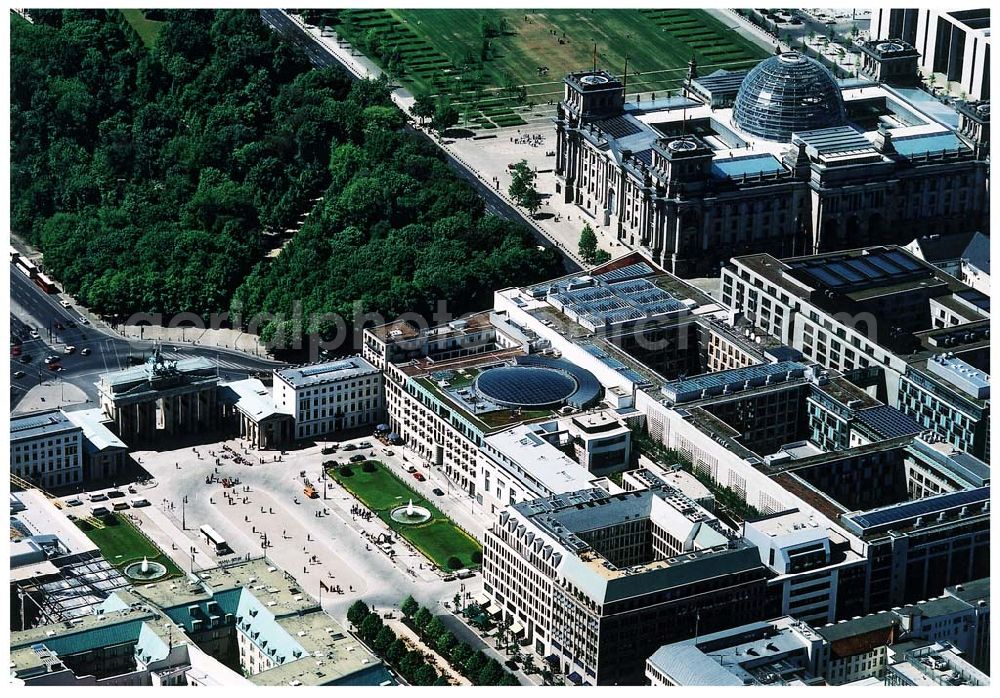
(313, 539)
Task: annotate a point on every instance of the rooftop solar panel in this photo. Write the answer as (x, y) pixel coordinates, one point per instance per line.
(845, 271)
(865, 269)
(879, 261)
(631, 271)
(900, 259)
(921, 507)
(826, 277)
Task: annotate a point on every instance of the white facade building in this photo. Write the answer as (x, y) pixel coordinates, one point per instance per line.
(46, 448)
(330, 397)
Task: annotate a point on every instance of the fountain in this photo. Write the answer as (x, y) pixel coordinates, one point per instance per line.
(145, 571)
(410, 514)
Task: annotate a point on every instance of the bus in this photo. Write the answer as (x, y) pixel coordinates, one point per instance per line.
(14, 255)
(213, 538)
(45, 283)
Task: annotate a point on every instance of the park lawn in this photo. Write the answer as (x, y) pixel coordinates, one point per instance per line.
(121, 543)
(659, 44)
(147, 29)
(438, 539)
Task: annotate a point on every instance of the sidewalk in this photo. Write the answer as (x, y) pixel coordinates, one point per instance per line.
(233, 340)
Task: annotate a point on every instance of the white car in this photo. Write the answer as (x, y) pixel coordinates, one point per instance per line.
(34, 334)
(69, 349)
(83, 320)
(66, 304)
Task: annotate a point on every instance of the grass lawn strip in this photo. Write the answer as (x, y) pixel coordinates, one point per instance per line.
(381, 491)
(147, 29)
(122, 544)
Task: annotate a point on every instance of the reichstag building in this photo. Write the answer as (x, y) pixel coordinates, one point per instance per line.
(783, 159)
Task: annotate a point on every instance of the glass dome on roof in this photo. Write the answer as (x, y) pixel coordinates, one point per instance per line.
(788, 93)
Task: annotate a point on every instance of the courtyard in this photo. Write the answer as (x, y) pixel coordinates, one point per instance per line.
(439, 539)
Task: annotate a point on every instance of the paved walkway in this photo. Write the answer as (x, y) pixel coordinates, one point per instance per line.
(344, 553)
(51, 394)
(403, 631)
(217, 338)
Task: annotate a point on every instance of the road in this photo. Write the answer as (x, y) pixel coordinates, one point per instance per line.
(31, 308)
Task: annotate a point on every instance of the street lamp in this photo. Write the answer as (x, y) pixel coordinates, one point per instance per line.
(183, 517)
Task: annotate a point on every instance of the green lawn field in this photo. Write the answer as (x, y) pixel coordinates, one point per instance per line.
(147, 29)
(439, 539)
(442, 51)
(121, 543)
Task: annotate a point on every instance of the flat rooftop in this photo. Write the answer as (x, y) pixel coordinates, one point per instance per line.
(325, 372)
(36, 425)
(542, 462)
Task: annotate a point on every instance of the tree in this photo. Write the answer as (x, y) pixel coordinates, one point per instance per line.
(357, 612)
(424, 675)
(410, 662)
(460, 655)
(435, 629)
(423, 106)
(490, 673)
(588, 243)
(441, 681)
(421, 619)
(396, 651)
(370, 627)
(454, 563)
(522, 187)
(445, 116)
(383, 641)
(602, 256)
(445, 644)
(472, 665)
(409, 607)
(508, 679)
(457, 600)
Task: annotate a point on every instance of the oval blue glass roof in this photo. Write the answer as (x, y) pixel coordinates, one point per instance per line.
(788, 93)
(525, 386)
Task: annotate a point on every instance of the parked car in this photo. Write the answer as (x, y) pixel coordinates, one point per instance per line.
(98, 497)
(24, 358)
(66, 304)
(59, 325)
(72, 502)
(51, 358)
(83, 320)
(411, 469)
(365, 444)
(54, 366)
(419, 477)
(387, 452)
(15, 350)
(19, 374)
(120, 505)
(115, 494)
(358, 458)
(34, 334)
(70, 324)
(140, 502)
(85, 351)
(438, 491)
(350, 447)
(69, 349)
(449, 578)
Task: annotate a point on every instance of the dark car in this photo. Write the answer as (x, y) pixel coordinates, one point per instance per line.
(24, 358)
(438, 491)
(18, 374)
(358, 458)
(59, 326)
(350, 447)
(70, 324)
(115, 494)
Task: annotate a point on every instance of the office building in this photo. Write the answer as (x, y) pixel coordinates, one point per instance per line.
(247, 624)
(596, 581)
(934, 665)
(781, 159)
(966, 256)
(46, 448)
(780, 652)
(329, 398)
(952, 43)
(919, 333)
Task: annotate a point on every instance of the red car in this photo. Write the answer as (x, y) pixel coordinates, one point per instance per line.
(15, 350)
(54, 366)
(419, 477)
